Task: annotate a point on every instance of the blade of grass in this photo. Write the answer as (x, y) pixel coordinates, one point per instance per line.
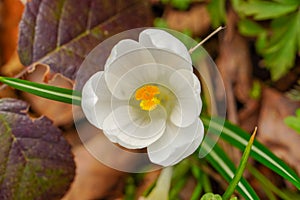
(176, 188)
(267, 183)
(46, 91)
(239, 138)
(197, 191)
(206, 183)
(179, 178)
(220, 161)
(130, 189)
(241, 168)
(197, 173)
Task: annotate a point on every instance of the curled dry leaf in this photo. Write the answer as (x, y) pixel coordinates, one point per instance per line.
(35, 160)
(60, 113)
(189, 20)
(273, 132)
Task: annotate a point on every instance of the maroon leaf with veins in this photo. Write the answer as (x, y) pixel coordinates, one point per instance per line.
(35, 160)
(61, 33)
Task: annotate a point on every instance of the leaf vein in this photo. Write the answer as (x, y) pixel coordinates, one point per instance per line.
(34, 35)
(87, 32)
(61, 13)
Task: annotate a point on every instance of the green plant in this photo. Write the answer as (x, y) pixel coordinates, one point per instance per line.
(278, 41)
(217, 157)
(179, 4)
(294, 121)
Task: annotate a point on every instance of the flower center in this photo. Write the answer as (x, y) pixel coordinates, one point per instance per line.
(147, 97)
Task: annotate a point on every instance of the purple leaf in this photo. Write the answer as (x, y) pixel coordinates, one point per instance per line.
(35, 160)
(61, 33)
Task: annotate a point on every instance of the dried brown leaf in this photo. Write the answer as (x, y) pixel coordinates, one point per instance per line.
(273, 132)
(59, 113)
(196, 19)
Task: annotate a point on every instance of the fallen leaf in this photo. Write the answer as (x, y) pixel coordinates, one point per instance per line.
(189, 20)
(235, 66)
(273, 132)
(60, 113)
(35, 160)
(61, 33)
(93, 179)
(101, 165)
(11, 13)
(12, 67)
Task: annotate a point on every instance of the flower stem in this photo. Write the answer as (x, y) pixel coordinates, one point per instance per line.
(161, 190)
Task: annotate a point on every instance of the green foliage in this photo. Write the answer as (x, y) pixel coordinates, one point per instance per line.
(279, 49)
(211, 196)
(216, 9)
(130, 189)
(179, 178)
(179, 4)
(239, 138)
(267, 184)
(264, 10)
(225, 167)
(255, 92)
(198, 174)
(294, 121)
(216, 157)
(160, 23)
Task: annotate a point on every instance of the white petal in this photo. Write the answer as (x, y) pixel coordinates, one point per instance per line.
(163, 40)
(90, 99)
(176, 143)
(188, 105)
(166, 57)
(196, 85)
(96, 100)
(127, 84)
(133, 128)
(126, 62)
(192, 148)
(121, 48)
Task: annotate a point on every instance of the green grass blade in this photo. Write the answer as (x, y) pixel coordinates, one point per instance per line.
(240, 170)
(239, 138)
(220, 161)
(198, 174)
(46, 91)
(266, 183)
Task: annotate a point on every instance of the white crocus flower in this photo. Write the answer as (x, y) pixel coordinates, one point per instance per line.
(148, 97)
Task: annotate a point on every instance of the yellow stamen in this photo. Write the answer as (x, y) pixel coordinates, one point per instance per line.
(146, 95)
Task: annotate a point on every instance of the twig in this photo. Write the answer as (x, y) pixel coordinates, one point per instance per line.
(205, 39)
